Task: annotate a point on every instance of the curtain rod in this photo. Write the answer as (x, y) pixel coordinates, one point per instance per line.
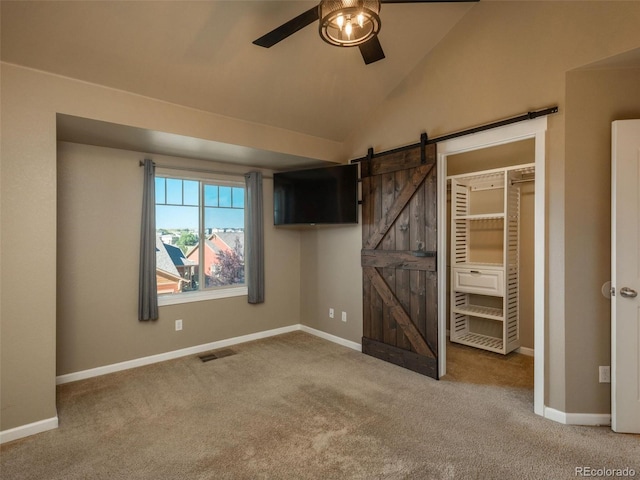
(469, 131)
(199, 170)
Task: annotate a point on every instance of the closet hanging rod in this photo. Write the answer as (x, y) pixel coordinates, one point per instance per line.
(524, 180)
(513, 182)
(200, 170)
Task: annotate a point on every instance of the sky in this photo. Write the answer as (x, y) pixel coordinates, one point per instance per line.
(177, 200)
(170, 217)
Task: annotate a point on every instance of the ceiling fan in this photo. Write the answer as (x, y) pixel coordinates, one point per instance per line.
(343, 23)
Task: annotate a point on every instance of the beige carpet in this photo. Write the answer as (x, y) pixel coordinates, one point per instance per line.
(298, 407)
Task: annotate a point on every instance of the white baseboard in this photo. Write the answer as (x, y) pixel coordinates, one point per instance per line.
(161, 357)
(526, 351)
(28, 430)
(590, 419)
(587, 419)
(332, 338)
(52, 423)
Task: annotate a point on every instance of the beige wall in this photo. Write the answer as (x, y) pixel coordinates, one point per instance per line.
(29, 103)
(331, 277)
(99, 205)
(594, 99)
(502, 59)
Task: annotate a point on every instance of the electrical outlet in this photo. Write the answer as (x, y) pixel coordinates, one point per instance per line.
(604, 374)
(331, 313)
(344, 316)
(178, 325)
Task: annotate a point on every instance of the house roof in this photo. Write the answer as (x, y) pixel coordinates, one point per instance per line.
(176, 255)
(230, 238)
(214, 243)
(168, 258)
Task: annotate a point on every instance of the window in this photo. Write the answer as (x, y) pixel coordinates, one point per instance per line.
(199, 239)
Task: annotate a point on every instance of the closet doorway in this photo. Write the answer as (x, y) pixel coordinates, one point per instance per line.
(501, 149)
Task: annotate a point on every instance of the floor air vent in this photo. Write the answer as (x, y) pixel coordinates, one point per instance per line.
(207, 357)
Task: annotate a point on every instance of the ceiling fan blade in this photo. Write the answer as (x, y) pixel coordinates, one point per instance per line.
(288, 28)
(371, 50)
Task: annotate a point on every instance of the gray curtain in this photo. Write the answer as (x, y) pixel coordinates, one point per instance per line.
(148, 293)
(254, 238)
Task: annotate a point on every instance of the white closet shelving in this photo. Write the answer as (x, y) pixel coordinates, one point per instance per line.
(485, 230)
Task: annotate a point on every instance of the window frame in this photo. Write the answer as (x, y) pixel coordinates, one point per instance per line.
(210, 293)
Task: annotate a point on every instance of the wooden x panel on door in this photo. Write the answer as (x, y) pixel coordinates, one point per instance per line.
(399, 239)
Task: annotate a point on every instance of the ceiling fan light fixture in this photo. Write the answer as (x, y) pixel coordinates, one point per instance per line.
(348, 23)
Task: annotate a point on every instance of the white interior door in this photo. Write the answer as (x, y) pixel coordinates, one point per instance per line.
(625, 276)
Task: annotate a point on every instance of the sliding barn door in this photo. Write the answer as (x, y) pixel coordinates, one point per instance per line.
(399, 240)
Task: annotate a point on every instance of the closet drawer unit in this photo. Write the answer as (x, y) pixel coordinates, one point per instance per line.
(483, 281)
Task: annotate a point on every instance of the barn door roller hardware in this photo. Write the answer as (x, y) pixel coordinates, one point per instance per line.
(423, 147)
(424, 141)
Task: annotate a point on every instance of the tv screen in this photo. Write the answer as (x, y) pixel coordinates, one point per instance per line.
(327, 195)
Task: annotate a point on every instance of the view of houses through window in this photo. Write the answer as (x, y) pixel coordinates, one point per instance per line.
(199, 234)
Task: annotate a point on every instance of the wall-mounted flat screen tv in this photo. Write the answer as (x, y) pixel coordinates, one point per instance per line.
(327, 195)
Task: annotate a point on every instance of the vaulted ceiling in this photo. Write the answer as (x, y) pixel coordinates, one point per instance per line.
(200, 54)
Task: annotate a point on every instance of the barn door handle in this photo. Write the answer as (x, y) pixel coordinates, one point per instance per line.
(421, 252)
(628, 292)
